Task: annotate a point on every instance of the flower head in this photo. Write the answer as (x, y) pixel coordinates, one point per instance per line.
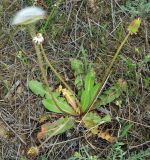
(28, 15)
(38, 39)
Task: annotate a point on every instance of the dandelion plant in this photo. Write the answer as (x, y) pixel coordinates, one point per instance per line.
(77, 107)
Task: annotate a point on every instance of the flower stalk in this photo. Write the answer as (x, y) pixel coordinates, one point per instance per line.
(108, 71)
(132, 29)
(40, 62)
(59, 76)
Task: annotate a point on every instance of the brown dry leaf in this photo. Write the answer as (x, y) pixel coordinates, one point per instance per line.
(100, 133)
(59, 89)
(57, 127)
(46, 117)
(69, 97)
(103, 134)
(106, 135)
(19, 90)
(44, 129)
(93, 121)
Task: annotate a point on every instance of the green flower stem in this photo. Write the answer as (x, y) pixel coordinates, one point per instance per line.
(44, 76)
(54, 70)
(107, 73)
(40, 62)
(59, 76)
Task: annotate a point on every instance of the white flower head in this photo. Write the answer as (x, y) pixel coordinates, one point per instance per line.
(28, 15)
(38, 39)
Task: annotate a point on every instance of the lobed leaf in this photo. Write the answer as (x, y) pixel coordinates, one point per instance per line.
(78, 68)
(79, 83)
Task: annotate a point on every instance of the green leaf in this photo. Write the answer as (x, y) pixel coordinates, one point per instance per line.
(87, 94)
(125, 129)
(77, 66)
(147, 82)
(112, 93)
(79, 82)
(94, 91)
(58, 127)
(90, 90)
(134, 26)
(55, 95)
(50, 105)
(85, 100)
(37, 88)
(94, 119)
(89, 80)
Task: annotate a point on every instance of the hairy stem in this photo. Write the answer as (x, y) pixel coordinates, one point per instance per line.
(59, 76)
(40, 62)
(54, 70)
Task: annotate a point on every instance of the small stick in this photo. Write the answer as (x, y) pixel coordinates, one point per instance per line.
(12, 130)
(139, 145)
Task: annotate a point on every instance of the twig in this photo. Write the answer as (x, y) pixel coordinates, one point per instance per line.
(134, 122)
(12, 90)
(70, 140)
(12, 130)
(113, 14)
(139, 145)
